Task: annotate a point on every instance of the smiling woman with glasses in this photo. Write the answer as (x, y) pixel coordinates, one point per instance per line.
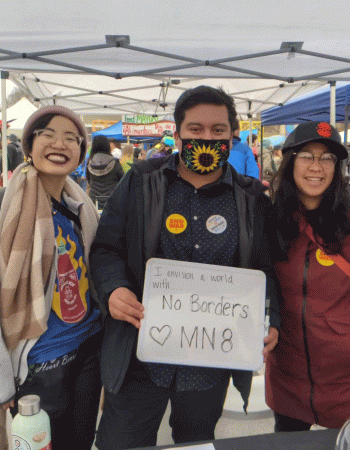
(308, 372)
(49, 317)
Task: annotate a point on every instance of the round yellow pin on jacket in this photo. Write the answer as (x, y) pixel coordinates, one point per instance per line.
(176, 223)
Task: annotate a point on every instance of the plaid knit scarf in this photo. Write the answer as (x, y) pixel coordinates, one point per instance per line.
(27, 247)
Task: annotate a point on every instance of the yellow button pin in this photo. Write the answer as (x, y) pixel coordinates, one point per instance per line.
(176, 223)
(323, 259)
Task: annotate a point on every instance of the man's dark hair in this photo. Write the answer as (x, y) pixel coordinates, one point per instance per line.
(203, 95)
(331, 222)
(235, 125)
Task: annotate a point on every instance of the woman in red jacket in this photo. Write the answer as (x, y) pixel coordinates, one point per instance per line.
(308, 373)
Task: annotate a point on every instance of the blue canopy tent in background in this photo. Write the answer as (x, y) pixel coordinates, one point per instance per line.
(114, 131)
(310, 107)
(277, 139)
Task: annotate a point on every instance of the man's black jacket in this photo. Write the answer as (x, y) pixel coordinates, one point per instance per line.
(128, 234)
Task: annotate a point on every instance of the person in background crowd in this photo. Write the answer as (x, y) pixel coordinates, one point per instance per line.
(127, 157)
(241, 156)
(79, 174)
(308, 372)
(103, 171)
(14, 147)
(50, 322)
(272, 158)
(167, 145)
(137, 151)
(115, 148)
(14, 154)
(255, 147)
(157, 144)
(153, 149)
(255, 150)
(142, 154)
(196, 183)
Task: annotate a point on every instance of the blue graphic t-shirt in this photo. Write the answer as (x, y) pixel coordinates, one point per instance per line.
(72, 319)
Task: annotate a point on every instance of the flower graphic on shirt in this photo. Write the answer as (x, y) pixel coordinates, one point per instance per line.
(205, 158)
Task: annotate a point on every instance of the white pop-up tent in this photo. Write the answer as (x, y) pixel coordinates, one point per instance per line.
(137, 57)
(132, 57)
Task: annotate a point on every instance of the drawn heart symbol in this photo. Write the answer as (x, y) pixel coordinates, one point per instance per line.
(160, 335)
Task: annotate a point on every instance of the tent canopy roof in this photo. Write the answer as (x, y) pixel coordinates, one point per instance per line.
(140, 56)
(314, 106)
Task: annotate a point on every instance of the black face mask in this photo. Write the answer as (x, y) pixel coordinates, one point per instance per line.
(205, 156)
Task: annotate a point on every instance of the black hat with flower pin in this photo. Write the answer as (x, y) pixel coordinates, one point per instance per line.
(321, 132)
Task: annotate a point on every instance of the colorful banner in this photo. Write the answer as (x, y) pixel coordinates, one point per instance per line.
(155, 129)
(140, 118)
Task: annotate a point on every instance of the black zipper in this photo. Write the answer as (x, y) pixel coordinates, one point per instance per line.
(307, 353)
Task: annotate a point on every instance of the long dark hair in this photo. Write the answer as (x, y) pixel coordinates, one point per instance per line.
(331, 224)
(100, 144)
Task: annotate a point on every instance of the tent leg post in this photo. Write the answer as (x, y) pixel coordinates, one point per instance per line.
(4, 77)
(261, 152)
(332, 103)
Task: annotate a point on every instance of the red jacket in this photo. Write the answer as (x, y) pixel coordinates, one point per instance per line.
(308, 373)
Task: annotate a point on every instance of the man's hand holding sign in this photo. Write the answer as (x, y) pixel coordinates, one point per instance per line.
(123, 305)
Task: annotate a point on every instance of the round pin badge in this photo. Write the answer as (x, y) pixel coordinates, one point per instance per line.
(323, 259)
(176, 223)
(216, 224)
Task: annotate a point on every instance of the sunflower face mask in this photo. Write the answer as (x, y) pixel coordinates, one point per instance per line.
(204, 156)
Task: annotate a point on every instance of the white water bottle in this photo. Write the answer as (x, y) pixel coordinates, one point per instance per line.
(343, 439)
(31, 426)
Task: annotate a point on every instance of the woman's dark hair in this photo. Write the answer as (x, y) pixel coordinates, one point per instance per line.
(331, 222)
(100, 144)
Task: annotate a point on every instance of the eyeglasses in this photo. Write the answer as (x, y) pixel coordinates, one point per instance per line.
(327, 160)
(48, 137)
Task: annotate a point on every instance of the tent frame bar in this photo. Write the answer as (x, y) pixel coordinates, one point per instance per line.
(124, 42)
(4, 77)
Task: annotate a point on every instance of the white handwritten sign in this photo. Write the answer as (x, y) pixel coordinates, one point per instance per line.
(202, 315)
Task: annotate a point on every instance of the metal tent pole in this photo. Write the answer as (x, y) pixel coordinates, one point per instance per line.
(4, 77)
(250, 124)
(332, 103)
(261, 152)
(346, 122)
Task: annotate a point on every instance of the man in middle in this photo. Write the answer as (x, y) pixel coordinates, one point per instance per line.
(196, 186)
